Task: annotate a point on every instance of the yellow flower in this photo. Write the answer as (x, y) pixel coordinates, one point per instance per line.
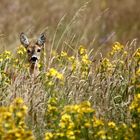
(54, 73)
(7, 53)
(7, 115)
(87, 124)
(117, 47)
(19, 114)
(24, 108)
(134, 125)
(138, 96)
(63, 54)
(124, 125)
(70, 135)
(111, 124)
(60, 134)
(85, 59)
(21, 50)
(1, 59)
(66, 122)
(72, 58)
(50, 83)
(66, 117)
(18, 135)
(106, 65)
(97, 122)
(18, 101)
(52, 108)
(38, 65)
(60, 76)
(48, 136)
(11, 127)
(101, 134)
(82, 50)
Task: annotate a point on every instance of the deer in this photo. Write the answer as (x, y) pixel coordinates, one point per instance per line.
(34, 48)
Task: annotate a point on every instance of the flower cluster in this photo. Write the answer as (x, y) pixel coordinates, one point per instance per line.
(74, 122)
(7, 55)
(85, 62)
(112, 85)
(135, 111)
(105, 66)
(116, 48)
(12, 122)
(21, 51)
(53, 73)
(79, 122)
(135, 106)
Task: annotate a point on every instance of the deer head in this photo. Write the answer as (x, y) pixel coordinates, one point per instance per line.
(34, 49)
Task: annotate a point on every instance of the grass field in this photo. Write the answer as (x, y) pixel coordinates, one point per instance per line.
(90, 89)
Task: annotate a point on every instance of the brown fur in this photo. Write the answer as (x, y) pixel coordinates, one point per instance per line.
(34, 49)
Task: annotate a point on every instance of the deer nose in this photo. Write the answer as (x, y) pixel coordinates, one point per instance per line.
(34, 58)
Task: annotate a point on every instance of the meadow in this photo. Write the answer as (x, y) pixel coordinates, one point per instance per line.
(89, 86)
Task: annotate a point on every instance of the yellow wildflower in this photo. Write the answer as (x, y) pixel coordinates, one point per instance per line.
(97, 122)
(21, 50)
(111, 124)
(60, 134)
(87, 124)
(52, 108)
(138, 96)
(70, 135)
(24, 108)
(60, 76)
(1, 59)
(19, 114)
(66, 117)
(18, 101)
(117, 47)
(7, 53)
(66, 122)
(138, 72)
(101, 134)
(134, 125)
(82, 50)
(52, 72)
(72, 58)
(85, 59)
(63, 54)
(48, 136)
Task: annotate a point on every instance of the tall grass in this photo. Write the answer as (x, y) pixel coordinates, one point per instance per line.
(86, 92)
(100, 24)
(107, 84)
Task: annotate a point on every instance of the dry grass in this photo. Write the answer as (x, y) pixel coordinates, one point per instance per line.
(98, 74)
(99, 23)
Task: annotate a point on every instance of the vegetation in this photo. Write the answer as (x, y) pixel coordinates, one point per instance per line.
(76, 98)
(97, 23)
(88, 87)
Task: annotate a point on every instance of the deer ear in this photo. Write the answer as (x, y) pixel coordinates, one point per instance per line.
(41, 39)
(24, 40)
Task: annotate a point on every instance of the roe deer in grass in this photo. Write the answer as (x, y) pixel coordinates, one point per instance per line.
(34, 49)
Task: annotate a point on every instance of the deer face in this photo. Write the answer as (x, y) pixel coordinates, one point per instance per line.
(33, 47)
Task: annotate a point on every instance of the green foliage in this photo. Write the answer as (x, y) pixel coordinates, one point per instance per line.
(75, 98)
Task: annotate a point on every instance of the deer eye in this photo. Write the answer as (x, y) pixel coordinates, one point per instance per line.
(38, 50)
(28, 51)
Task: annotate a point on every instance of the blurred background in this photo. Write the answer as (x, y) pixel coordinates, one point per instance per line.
(92, 23)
